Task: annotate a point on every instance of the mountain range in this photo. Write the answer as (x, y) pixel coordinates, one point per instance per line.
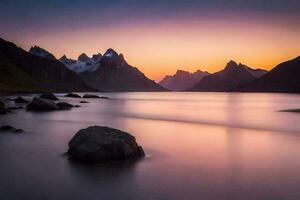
(284, 78)
(232, 76)
(182, 80)
(113, 73)
(108, 73)
(39, 70)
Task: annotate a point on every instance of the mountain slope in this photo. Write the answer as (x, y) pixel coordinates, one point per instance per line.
(225, 80)
(35, 72)
(255, 72)
(283, 78)
(182, 80)
(36, 50)
(115, 74)
(13, 79)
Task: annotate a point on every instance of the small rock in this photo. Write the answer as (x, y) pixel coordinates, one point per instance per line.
(49, 96)
(104, 97)
(18, 131)
(64, 106)
(84, 102)
(73, 95)
(98, 144)
(39, 104)
(20, 100)
(91, 96)
(77, 106)
(8, 128)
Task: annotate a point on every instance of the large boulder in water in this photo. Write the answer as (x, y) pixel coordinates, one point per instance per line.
(39, 104)
(49, 96)
(98, 144)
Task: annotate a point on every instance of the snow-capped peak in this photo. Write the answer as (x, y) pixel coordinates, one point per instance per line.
(110, 53)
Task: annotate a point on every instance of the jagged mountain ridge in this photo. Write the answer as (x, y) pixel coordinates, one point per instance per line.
(83, 63)
(284, 78)
(115, 74)
(232, 76)
(182, 80)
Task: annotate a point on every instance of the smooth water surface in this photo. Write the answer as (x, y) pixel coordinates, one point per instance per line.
(202, 146)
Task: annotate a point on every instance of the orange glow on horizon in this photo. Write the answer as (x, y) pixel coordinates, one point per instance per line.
(162, 48)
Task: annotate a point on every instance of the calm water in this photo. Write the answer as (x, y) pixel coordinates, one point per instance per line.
(200, 146)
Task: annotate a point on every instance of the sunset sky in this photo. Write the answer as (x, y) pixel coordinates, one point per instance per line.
(159, 36)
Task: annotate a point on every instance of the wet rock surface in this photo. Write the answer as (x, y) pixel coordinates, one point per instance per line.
(99, 144)
(49, 96)
(40, 104)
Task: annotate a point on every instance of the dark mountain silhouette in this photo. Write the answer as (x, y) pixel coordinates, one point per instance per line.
(21, 71)
(225, 80)
(182, 80)
(36, 50)
(67, 61)
(83, 58)
(283, 78)
(115, 74)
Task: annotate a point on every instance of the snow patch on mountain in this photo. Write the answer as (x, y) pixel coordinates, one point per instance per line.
(83, 64)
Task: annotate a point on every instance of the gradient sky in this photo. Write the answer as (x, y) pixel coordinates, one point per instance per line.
(159, 36)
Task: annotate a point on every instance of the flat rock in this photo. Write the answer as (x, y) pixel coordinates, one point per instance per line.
(73, 95)
(91, 96)
(40, 104)
(49, 96)
(99, 144)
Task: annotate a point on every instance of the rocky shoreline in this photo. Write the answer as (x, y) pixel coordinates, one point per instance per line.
(92, 145)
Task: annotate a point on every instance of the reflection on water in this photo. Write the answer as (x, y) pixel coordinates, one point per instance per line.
(202, 146)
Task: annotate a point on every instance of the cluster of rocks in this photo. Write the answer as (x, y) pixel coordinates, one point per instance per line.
(87, 96)
(96, 144)
(45, 102)
(41, 104)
